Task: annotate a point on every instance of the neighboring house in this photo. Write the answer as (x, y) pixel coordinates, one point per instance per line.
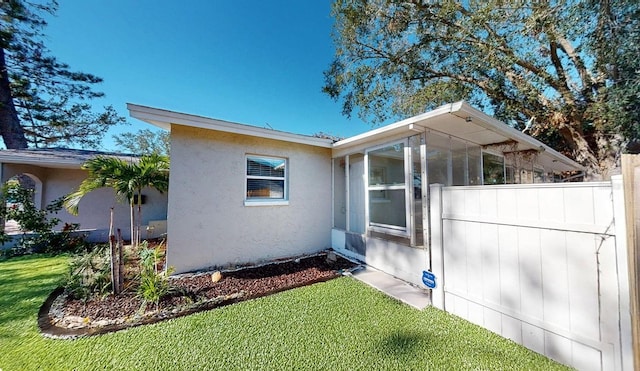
(56, 172)
(242, 193)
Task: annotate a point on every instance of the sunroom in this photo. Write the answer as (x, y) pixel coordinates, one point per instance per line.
(381, 179)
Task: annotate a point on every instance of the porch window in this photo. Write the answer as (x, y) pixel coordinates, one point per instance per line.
(538, 175)
(387, 189)
(492, 168)
(266, 178)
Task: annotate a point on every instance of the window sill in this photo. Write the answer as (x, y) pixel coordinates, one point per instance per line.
(266, 202)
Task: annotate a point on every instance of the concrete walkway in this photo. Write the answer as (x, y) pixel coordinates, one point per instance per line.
(393, 287)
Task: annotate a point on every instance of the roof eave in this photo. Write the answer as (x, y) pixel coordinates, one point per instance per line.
(461, 110)
(164, 119)
(465, 110)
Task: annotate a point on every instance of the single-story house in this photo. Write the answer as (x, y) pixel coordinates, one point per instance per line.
(243, 193)
(56, 172)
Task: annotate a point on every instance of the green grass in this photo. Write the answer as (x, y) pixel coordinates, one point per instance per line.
(337, 325)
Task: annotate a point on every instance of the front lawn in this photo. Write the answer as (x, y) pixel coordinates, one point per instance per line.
(340, 324)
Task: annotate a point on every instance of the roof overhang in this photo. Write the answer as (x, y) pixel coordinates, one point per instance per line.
(462, 121)
(55, 158)
(165, 119)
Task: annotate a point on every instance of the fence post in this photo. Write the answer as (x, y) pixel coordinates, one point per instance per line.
(631, 185)
(436, 249)
(625, 354)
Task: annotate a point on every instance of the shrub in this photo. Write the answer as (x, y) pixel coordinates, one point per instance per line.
(89, 274)
(40, 224)
(154, 281)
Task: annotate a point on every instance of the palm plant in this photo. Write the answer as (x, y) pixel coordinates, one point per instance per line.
(151, 171)
(127, 179)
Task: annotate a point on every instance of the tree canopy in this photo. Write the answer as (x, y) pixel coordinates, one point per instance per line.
(42, 101)
(144, 142)
(567, 71)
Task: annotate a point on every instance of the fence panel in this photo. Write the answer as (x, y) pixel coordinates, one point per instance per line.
(537, 264)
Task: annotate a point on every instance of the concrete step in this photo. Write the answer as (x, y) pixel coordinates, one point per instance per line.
(394, 287)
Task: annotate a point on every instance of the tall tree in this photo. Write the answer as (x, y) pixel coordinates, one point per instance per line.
(569, 68)
(42, 102)
(144, 142)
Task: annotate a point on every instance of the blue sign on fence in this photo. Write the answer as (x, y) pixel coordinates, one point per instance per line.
(429, 279)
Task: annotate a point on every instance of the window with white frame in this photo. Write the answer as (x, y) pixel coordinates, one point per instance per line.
(266, 178)
(387, 189)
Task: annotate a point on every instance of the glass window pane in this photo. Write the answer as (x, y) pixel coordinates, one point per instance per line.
(265, 188)
(415, 143)
(526, 176)
(339, 193)
(438, 154)
(538, 175)
(459, 162)
(474, 156)
(510, 174)
(267, 167)
(388, 208)
(492, 168)
(386, 165)
(357, 194)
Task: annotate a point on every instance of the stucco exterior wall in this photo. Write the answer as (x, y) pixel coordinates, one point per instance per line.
(93, 210)
(208, 222)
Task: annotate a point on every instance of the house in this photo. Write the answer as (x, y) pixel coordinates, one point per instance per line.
(56, 172)
(241, 193)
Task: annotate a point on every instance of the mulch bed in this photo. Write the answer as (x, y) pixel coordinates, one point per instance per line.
(63, 317)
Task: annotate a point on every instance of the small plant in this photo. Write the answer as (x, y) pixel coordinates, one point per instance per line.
(154, 282)
(89, 274)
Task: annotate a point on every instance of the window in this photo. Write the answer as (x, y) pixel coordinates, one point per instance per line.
(387, 188)
(538, 175)
(492, 168)
(266, 179)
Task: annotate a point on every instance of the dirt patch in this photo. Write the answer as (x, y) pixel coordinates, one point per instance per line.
(62, 317)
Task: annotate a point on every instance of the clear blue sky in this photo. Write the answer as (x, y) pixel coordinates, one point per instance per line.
(253, 62)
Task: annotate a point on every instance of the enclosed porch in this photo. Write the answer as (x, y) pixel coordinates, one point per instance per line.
(381, 180)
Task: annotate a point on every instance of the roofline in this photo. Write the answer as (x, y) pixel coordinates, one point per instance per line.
(392, 128)
(164, 119)
(463, 110)
(70, 163)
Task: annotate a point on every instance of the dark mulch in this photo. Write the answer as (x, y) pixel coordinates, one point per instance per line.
(195, 292)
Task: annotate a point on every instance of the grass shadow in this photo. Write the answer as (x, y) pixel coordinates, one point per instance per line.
(403, 344)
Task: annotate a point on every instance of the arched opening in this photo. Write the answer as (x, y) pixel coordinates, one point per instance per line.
(27, 181)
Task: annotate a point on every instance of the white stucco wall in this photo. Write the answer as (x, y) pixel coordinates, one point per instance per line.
(93, 210)
(208, 223)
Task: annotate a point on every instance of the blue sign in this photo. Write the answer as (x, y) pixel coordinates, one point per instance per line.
(429, 279)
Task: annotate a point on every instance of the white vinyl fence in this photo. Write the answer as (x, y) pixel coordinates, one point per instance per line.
(544, 265)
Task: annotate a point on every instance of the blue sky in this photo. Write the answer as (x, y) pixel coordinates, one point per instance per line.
(252, 62)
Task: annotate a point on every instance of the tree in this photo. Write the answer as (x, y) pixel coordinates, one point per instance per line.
(42, 101)
(568, 68)
(127, 179)
(144, 142)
